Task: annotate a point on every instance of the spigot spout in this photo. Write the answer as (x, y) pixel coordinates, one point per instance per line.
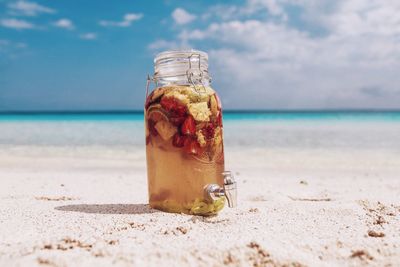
(213, 191)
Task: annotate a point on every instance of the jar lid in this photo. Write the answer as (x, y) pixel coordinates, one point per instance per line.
(181, 63)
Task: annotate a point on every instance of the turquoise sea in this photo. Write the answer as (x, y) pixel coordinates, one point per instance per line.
(270, 129)
(229, 115)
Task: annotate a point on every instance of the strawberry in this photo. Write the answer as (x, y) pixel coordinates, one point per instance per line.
(178, 140)
(189, 126)
(208, 131)
(179, 111)
(192, 146)
(173, 106)
(177, 121)
(152, 129)
(167, 103)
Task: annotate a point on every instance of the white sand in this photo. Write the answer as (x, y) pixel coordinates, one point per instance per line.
(87, 206)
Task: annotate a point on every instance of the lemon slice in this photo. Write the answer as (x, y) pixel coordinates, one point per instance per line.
(156, 114)
(165, 129)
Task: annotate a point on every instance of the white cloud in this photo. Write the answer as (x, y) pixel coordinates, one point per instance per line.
(272, 6)
(364, 17)
(88, 36)
(224, 12)
(192, 34)
(270, 63)
(17, 24)
(181, 16)
(126, 22)
(163, 44)
(132, 17)
(26, 8)
(64, 23)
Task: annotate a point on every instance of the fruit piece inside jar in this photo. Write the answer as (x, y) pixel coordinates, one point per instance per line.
(184, 148)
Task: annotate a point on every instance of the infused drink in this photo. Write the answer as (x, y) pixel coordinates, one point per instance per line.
(184, 136)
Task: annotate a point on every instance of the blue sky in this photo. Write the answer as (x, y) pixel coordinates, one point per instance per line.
(264, 54)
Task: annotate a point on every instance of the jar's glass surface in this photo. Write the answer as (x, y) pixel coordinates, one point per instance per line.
(184, 135)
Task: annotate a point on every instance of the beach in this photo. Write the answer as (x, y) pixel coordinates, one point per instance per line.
(311, 192)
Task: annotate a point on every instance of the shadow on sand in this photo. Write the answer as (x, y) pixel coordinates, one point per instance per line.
(108, 208)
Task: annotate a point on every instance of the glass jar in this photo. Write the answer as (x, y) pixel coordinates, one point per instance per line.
(184, 137)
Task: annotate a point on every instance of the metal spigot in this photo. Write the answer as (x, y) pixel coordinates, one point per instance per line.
(214, 192)
(230, 189)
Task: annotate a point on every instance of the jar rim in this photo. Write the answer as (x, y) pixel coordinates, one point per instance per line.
(184, 53)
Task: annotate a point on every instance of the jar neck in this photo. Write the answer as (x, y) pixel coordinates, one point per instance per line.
(181, 67)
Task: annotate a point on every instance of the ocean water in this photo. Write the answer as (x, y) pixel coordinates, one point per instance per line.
(339, 129)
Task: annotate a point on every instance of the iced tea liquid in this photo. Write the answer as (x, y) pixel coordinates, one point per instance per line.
(184, 148)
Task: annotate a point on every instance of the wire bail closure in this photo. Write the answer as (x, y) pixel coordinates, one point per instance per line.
(191, 74)
(148, 81)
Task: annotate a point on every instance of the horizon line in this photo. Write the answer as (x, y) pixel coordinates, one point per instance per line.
(137, 111)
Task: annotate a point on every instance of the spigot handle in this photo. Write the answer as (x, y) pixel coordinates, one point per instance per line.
(230, 189)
